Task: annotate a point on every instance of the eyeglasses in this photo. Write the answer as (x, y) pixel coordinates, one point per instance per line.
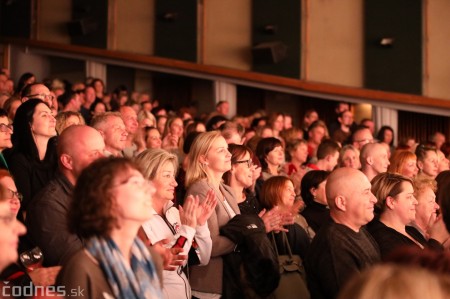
(9, 194)
(43, 95)
(249, 162)
(6, 128)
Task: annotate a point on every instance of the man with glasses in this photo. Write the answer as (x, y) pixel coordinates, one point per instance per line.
(6, 131)
(38, 91)
(361, 136)
(78, 146)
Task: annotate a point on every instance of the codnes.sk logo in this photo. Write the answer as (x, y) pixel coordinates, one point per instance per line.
(30, 290)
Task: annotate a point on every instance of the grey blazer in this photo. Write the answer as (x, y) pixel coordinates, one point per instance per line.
(209, 278)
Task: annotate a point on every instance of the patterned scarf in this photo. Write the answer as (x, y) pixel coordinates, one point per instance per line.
(138, 281)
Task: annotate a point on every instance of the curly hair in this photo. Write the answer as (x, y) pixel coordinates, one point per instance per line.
(92, 209)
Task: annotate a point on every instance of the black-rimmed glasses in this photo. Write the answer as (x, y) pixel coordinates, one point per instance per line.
(9, 194)
(249, 162)
(43, 95)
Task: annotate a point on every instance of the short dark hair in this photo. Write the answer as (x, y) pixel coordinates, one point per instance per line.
(237, 151)
(264, 147)
(92, 209)
(26, 91)
(66, 97)
(327, 147)
(312, 179)
(380, 135)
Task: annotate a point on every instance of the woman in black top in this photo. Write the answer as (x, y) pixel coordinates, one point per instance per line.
(278, 192)
(240, 178)
(397, 206)
(312, 189)
(32, 160)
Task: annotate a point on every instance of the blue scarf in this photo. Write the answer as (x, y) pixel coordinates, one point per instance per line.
(138, 281)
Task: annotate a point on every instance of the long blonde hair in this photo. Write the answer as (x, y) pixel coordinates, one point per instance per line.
(201, 146)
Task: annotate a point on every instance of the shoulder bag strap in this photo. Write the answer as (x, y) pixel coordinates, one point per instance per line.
(286, 244)
(274, 244)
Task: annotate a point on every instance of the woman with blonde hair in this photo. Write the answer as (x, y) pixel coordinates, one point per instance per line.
(209, 159)
(349, 157)
(427, 222)
(397, 206)
(66, 119)
(183, 227)
(297, 155)
(403, 162)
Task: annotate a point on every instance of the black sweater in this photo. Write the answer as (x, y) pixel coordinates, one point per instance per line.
(336, 253)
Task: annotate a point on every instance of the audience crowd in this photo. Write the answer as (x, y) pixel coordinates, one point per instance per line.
(116, 195)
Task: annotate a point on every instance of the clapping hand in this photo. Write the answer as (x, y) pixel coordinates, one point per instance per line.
(437, 229)
(170, 141)
(276, 219)
(188, 212)
(171, 256)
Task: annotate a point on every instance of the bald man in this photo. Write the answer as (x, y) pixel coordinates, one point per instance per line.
(343, 247)
(374, 159)
(78, 146)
